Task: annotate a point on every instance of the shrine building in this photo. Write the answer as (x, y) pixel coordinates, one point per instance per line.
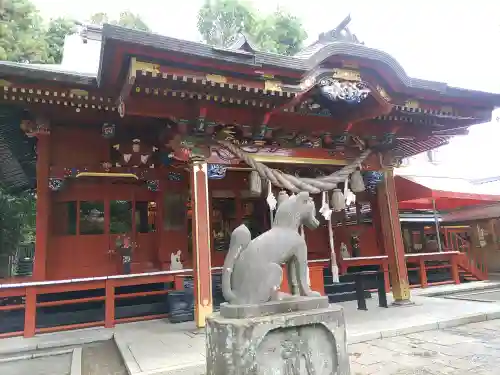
(142, 170)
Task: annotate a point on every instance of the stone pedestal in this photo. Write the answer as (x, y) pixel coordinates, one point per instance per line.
(301, 341)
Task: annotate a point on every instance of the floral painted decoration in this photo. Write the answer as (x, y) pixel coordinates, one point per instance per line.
(216, 171)
(56, 184)
(174, 176)
(108, 130)
(371, 180)
(153, 185)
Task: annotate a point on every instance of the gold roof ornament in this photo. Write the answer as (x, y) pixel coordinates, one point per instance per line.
(145, 67)
(346, 74)
(272, 86)
(383, 93)
(447, 109)
(216, 78)
(77, 92)
(412, 103)
(5, 83)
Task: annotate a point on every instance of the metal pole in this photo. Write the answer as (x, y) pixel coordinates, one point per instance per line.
(436, 222)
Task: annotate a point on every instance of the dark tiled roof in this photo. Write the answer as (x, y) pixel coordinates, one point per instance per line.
(46, 72)
(243, 43)
(121, 34)
(17, 155)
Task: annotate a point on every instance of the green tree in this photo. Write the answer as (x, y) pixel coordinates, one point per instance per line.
(25, 38)
(281, 32)
(126, 19)
(17, 220)
(99, 18)
(55, 35)
(132, 21)
(21, 33)
(220, 22)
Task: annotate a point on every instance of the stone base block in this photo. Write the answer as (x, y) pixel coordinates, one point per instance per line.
(273, 307)
(311, 342)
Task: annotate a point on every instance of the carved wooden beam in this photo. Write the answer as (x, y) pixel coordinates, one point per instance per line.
(134, 67)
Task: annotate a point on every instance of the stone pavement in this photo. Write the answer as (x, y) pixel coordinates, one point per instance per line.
(156, 347)
(472, 349)
(49, 365)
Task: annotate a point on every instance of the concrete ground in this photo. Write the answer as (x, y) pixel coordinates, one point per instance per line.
(47, 365)
(158, 347)
(97, 358)
(472, 349)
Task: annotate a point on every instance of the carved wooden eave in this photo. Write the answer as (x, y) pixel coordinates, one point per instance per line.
(67, 97)
(120, 42)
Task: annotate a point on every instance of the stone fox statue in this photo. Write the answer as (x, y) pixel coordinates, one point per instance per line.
(252, 270)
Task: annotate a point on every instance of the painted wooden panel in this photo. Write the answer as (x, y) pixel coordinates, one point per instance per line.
(73, 147)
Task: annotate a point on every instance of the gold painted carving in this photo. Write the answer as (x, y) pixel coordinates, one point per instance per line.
(308, 82)
(383, 93)
(78, 92)
(5, 83)
(272, 85)
(412, 104)
(347, 74)
(145, 66)
(447, 109)
(216, 78)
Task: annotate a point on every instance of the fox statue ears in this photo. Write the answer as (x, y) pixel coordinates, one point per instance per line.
(303, 195)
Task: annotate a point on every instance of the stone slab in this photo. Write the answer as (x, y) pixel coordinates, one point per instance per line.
(294, 304)
(314, 341)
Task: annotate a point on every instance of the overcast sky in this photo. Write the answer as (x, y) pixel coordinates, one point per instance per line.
(457, 42)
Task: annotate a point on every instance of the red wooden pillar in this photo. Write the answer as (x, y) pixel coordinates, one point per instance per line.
(393, 237)
(423, 274)
(42, 206)
(109, 303)
(30, 312)
(201, 241)
(455, 274)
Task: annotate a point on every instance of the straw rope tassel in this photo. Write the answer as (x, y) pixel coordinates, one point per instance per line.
(333, 256)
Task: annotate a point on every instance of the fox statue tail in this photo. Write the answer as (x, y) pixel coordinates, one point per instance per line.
(240, 239)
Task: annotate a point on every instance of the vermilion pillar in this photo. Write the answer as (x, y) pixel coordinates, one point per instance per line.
(393, 237)
(42, 206)
(201, 241)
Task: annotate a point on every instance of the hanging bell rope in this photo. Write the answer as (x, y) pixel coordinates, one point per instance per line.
(333, 256)
(338, 200)
(357, 183)
(293, 183)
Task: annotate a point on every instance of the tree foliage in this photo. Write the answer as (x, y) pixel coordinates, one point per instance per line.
(126, 19)
(281, 32)
(220, 22)
(24, 37)
(55, 35)
(17, 220)
(20, 29)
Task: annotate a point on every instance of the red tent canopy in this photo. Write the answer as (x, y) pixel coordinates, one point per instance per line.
(418, 192)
